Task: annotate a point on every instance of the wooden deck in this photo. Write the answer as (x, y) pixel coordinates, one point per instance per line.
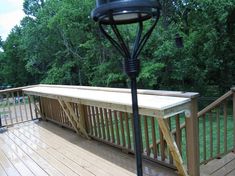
(42, 148)
(220, 167)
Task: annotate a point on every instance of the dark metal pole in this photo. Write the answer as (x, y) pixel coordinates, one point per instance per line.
(0, 121)
(137, 130)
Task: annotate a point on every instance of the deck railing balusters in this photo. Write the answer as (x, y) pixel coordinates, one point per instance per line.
(89, 119)
(9, 108)
(162, 146)
(94, 120)
(169, 153)
(117, 128)
(211, 134)
(19, 105)
(4, 111)
(111, 125)
(102, 123)
(122, 129)
(105, 114)
(178, 133)
(219, 118)
(218, 129)
(225, 114)
(97, 115)
(14, 106)
(204, 136)
(146, 136)
(154, 139)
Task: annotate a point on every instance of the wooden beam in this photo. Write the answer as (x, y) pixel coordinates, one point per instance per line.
(73, 118)
(172, 146)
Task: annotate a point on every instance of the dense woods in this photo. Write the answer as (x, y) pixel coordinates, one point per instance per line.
(58, 42)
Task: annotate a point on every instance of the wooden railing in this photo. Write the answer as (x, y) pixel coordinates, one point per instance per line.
(16, 107)
(216, 122)
(217, 127)
(215, 138)
(216, 135)
(116, 128)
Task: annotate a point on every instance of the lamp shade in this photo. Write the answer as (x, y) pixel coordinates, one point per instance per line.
(125, 11)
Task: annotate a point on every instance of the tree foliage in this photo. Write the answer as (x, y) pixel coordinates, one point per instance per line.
(58, 43)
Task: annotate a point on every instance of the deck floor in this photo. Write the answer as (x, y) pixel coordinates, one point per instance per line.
(42, 148)
(220, 167)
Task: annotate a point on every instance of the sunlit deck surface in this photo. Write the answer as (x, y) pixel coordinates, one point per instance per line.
(220, 167)
(42, 148)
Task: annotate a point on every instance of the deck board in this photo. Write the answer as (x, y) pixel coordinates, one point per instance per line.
(35, 157)
(7, 165)
(83, 158)
(220, 167)
(2, 171)
(15, 160)
(42, 148)
(232, 173)
(38, 171)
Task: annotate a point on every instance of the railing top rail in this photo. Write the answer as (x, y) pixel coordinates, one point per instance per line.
(124, 90)
(15, 89)
(215, 103)
(117, 99)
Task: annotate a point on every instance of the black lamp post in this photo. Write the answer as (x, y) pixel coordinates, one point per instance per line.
(121, 12)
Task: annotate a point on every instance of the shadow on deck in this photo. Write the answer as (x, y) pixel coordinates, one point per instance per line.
(42, 148)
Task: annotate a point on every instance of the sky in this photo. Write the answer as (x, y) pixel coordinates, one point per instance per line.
(10, 15)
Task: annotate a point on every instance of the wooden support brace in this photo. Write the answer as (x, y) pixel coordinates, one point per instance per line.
(64, 107)
(37, 109)
(172, 146)
(79, 125)
(73, 118)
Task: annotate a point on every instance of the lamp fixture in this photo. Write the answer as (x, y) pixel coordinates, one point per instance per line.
(114, 13)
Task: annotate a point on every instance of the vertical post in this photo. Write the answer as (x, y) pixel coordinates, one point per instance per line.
(30, 107)
(83, 119)
(35, 106)
(137, 130)
(233, 89)
(192, 137)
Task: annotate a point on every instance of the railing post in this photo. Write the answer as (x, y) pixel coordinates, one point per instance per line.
(233, 89)
(192, 137)
(83, 117)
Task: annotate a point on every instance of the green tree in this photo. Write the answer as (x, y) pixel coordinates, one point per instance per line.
(13, 64)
